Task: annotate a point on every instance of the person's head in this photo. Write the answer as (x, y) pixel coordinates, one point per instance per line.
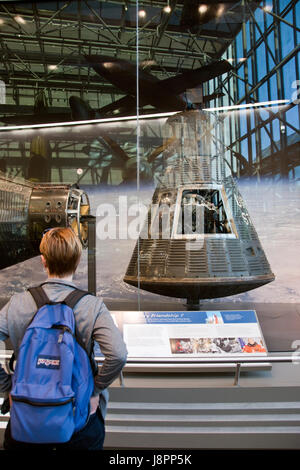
(61, 250)
(251, 341)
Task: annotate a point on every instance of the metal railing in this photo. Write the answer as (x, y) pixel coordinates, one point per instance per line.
(164, 363)
(237, 361)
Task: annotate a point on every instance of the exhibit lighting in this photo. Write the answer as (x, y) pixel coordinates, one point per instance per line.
(108, 65)
(220, 10)
(19, 19)
(247, 106)
(1, 21)
(142, 14)
(167, 9)
(268, 8)
(202, 9)
(52, 67)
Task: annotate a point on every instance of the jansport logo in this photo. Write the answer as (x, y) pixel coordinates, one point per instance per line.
(48, 362)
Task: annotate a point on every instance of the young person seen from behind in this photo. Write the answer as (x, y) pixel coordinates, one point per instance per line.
(60, 254)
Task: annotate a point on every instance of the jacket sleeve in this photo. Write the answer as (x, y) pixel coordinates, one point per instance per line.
(5, 379)
(112, 346)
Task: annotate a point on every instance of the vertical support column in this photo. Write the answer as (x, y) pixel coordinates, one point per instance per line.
(255, 95)
(267, 52)
(297, 70)
(237, 374)
(91, 220)
(236, 118)
(283, 167)
(249, 141)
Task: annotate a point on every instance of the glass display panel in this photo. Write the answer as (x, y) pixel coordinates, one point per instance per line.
(130, 111)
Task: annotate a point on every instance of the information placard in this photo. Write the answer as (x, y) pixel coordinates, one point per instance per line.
(194, 334)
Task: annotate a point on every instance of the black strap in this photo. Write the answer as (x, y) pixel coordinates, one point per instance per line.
(73, 298)
(39, 295)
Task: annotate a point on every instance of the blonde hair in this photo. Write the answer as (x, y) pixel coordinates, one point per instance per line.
(61, 249)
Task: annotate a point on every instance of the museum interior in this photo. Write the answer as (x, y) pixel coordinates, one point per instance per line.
(166, 134)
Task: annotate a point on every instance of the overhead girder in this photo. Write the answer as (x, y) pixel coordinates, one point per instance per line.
(114, 24)
(105, 46)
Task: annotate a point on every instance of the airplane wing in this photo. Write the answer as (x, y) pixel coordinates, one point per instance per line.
(123, 106)
(192, 78)
(27, 119)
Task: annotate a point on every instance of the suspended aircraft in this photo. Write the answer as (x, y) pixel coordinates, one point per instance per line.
(163, 95)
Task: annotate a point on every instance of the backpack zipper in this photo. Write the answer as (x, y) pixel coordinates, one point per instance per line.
(34, 403)
(64, 328)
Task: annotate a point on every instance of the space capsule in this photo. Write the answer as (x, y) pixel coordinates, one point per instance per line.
(27, 209)
(198, 241)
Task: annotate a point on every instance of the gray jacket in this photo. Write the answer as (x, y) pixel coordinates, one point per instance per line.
(93, 321)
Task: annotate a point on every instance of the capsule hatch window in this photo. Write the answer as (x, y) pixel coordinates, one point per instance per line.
(202, 210)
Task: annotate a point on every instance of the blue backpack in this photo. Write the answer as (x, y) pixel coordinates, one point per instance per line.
(54, 378)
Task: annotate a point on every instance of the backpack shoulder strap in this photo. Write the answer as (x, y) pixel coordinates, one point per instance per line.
(71, 300)
(74, 297)
(40, 296)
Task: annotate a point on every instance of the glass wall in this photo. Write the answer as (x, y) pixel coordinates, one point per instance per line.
(179, 123)
(266, 56)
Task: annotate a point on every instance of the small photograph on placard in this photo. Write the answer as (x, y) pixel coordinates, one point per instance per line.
(181, 346)
(214, 318)
(191, 345)
(227, 345)
(252, 345)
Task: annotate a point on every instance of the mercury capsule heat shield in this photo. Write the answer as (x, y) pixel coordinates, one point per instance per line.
(198, 241)
(27, 209)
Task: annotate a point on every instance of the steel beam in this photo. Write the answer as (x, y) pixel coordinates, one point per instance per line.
(101, 45)
(279, 18)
